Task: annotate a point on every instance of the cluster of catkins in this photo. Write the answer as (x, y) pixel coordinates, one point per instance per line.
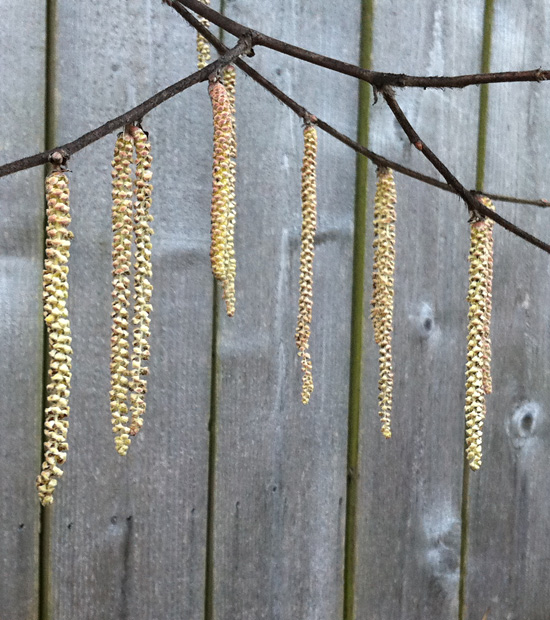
(383, 289)
(131, 219)
(309, 226)
(478, 365)
(55, 293)
(223, 209)
(131, 226)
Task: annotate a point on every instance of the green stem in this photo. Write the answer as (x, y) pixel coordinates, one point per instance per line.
(480, 179)
(484, 94)
(213, 446)
(50, 130)
(359, 249)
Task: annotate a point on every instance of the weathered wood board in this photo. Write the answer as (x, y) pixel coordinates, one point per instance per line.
(281, 466)
(21, 328)
(128, 534)
(508, 538)
(411, 485)
(128, 538)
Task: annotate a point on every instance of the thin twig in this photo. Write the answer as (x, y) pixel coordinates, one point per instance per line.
(541, 202)
(133, 115)
(475, 206)
(376, 78)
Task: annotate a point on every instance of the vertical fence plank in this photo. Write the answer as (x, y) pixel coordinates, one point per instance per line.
(510, 496)
(22, 46)
(411, 485)
(281, 466)
(128, 534)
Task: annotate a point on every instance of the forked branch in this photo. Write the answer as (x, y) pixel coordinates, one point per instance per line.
(452, 185)
(476, 207)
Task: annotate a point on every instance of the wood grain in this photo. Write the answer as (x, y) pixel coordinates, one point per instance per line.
(21, 328)
(509, 547)
(128, 538)
(281, 466)
(411, 485)
(128, 534)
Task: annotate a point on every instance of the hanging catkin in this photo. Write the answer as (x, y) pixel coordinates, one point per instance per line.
(203, 47)
(56, 289)
(122, 227)
(143, 271)
(383, 289)
(229, 80)
(309, 225)
(221, 174)
(487, 355)
(478, 370)
(129, 371)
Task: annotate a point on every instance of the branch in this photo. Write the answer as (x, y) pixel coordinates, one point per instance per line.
(376, 78)
(133, 115)
(200, 76)
(306, 115)
(475, 206)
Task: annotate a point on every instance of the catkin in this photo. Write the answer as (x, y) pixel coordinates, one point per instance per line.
(55, 293)
(122, 226)
(143, 271)
(487, 355)
(478, 371)
(383, 289)
(229, 80)
(309, 225)
(203, 47)
(221, 174)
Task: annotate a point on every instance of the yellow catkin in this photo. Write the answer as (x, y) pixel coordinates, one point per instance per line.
(221, 173)
(383, 289)
(143, 272)
(55, 293)
(309, 225)
(203, 47)
(229, 80)
(122, 227)
(478, 371)
(487, 356)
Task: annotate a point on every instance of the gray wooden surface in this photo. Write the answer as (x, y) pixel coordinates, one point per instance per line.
(146, 537)
(411, 485)
(508, 544)
(128, 535)
(280, 465)
(22, 71)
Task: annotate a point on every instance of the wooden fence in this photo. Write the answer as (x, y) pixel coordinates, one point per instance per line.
(236, 501)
